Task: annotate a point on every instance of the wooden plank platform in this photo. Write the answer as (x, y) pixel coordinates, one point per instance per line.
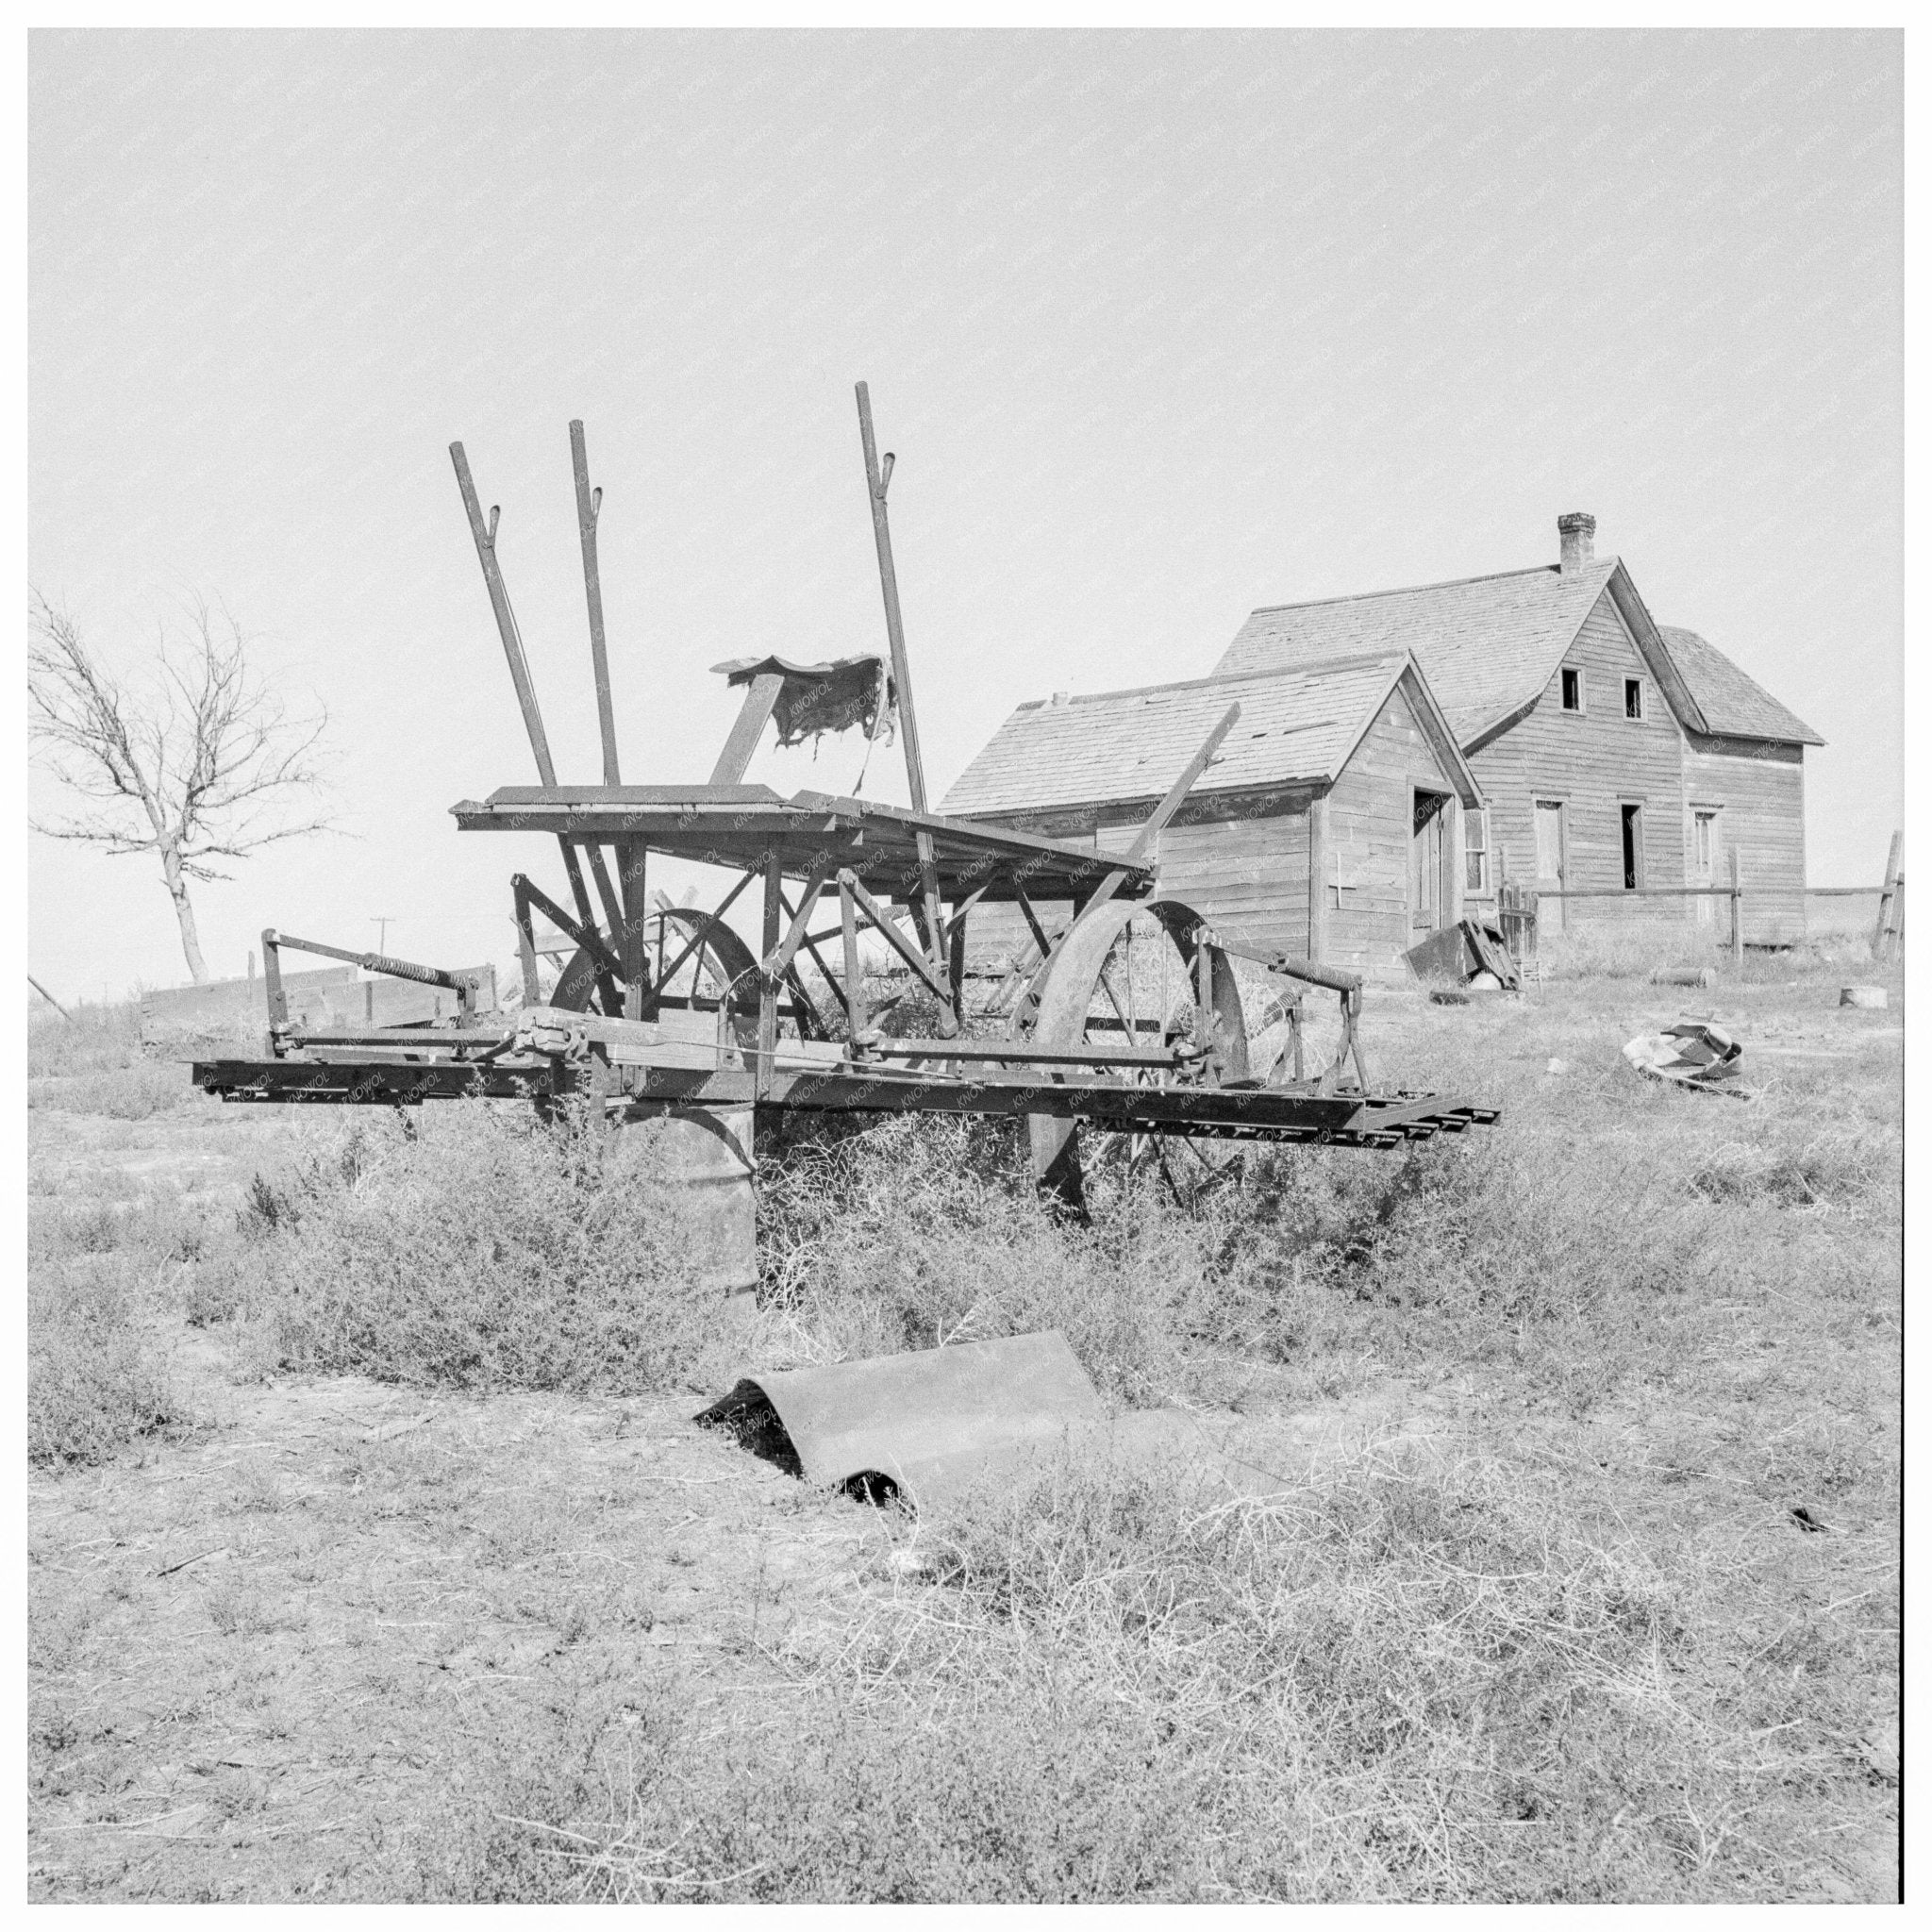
(736, 826)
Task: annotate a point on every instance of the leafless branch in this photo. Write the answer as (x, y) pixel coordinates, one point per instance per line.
(208, 763)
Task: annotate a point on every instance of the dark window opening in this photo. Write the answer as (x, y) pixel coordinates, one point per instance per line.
(1633, 697)
(1573, 691)
(1633, 848)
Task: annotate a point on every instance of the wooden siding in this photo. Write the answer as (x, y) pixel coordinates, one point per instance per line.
(1595, 762)
(1248, 875)
(1366, 872)
(1242, 859)
(1758, 790)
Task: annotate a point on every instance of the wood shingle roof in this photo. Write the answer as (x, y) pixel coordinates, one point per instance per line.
(1488, 645)
(1299, 723)
(1734, 704)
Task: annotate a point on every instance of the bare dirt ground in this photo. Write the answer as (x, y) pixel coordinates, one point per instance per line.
(269, 1659)
(264, 1649)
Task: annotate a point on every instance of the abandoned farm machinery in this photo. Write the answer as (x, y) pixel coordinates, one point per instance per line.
(1116, 1006)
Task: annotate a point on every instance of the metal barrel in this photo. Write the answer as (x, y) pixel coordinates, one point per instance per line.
(706, 1151)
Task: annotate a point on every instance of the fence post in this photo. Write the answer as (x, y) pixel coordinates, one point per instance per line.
(1886, 894)
(1737, 913)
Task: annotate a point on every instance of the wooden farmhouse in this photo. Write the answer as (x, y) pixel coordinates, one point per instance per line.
(1329, 825)
(1612, 753)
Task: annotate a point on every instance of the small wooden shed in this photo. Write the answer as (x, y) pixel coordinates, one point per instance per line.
(1330, 823)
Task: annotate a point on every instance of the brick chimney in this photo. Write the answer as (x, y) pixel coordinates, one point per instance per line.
(1575, 528)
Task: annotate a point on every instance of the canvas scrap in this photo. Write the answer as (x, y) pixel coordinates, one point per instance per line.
(845, 695)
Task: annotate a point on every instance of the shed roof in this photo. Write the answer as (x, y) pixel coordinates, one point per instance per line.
(1488, 644)
(1299, 723)
(1734, 704)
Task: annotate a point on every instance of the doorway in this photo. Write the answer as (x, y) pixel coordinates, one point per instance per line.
(1703, 858)
(1429, 893)
(1633, 848)
(1552, 851)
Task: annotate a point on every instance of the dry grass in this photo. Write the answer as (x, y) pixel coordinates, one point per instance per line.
(923, 1230)
(1402, 1677)
(104, 1282)
(1572, 1641)
(97, 1374)
(478, 1249)
(92, 1063)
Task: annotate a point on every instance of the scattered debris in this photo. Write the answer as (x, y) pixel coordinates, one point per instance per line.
(202, 1556)
(1879, 1748)
(1693, 1052)
(1470, 954)
(1684, 975)
(388, 1432)
(1861, 996)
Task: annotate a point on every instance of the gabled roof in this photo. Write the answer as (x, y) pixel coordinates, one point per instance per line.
(1491, 645)
(1488, 644)
(1298, 724)
(1733, 705)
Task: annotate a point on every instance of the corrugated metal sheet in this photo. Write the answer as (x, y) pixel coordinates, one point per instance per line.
(1488, 645)
(1297, 723)
(1734, 704)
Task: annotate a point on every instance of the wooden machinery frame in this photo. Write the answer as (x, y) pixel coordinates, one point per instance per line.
(1065, 1048)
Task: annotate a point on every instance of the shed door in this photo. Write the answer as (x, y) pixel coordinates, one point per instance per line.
(1550, 865)
(1427, 857)
(1703, 860)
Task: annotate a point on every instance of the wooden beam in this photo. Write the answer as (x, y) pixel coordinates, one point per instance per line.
(526, 942)
(777, 960)
(809, 943)
(855, 982)
(768, 993)
(1177, 791)
(736, 757)
(631, 874)
(583, 931)
(706, 930)
(484, 535)
(1162, 813)
(879, 480)
(590, 502)
(1318, 880)
(912, 954)
(1881, 931)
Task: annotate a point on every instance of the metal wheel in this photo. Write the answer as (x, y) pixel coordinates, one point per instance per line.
(719, 977)
(1131, 974)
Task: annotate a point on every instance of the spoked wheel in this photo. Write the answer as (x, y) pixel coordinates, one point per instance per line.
(1132, 973)
(717, 980)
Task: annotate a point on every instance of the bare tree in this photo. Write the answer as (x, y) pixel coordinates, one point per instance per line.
(207, 764)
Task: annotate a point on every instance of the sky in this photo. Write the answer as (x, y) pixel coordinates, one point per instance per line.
(1161, 328)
